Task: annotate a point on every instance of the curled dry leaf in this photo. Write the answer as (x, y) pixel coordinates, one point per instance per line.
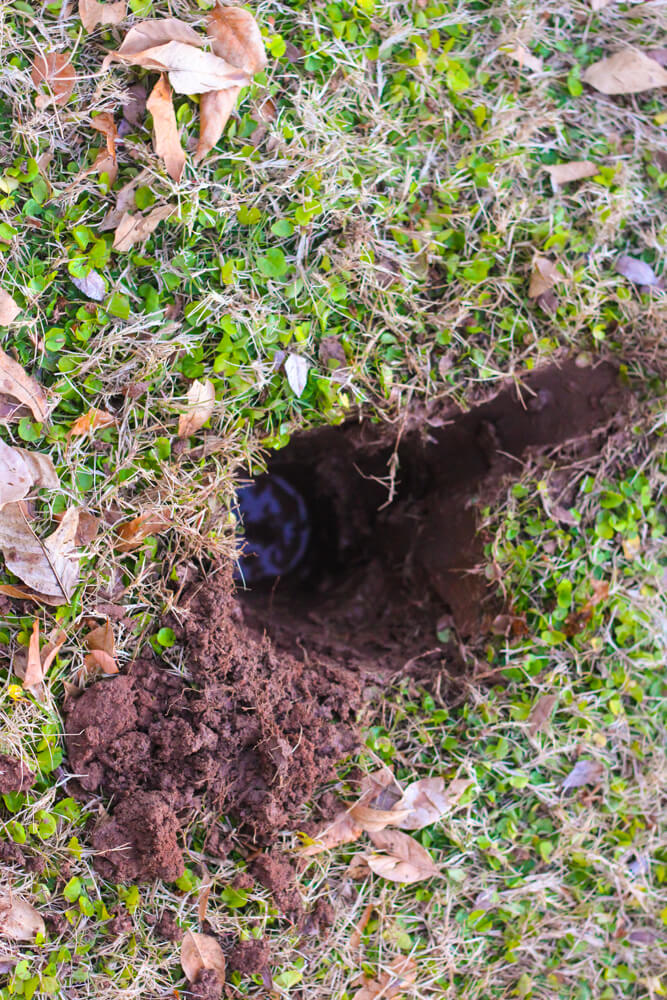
(428, 800)
(19, 921)
(134, 104)
(14, 382)
(102, 645)
(341, 830)
(34, 674)
(166, 142)
(404, 860)
(236, 38)
(576, 170)
(93, 13)
(637, 271)
(9, 310)
(584, 772)
(134, 532)
(135, 228)
(53, 72)
(15, 477)
(93, 286)
(90, 422)
(524, 57)
(355, 937)
(201, 402)
(392, 982)
(199, 952)
(545, 275)
(541, 713)
(626, 72)
(50, 567)
(171, 46)
(105, 124)
(371, 820)
(296, 369)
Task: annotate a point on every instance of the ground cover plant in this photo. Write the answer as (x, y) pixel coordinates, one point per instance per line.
(392, 211)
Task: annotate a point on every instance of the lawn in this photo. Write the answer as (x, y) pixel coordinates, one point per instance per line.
(370, 222)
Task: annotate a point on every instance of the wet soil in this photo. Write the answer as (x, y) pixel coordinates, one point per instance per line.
(359, 540)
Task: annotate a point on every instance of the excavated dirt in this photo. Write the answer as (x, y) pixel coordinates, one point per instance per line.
(359, 539)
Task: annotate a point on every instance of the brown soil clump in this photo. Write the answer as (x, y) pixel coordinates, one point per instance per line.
(253, 737)
(250, 957)
(14, 775)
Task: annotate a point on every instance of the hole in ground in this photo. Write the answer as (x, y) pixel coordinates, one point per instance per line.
(360, 539)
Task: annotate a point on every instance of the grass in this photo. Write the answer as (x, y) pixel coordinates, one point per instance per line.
(396, 203)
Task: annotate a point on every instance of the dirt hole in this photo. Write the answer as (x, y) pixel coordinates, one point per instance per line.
(361, 538)
(358, 540)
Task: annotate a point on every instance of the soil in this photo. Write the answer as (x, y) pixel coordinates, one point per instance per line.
(14, 775)
(250, 957)
(370, 538)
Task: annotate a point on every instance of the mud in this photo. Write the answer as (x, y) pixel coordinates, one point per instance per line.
(251, 734)
(359, 540)
(392, 540)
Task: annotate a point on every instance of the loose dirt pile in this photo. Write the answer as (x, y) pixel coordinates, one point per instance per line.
(252, 736)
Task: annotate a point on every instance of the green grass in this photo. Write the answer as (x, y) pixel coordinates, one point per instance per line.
(395, 204)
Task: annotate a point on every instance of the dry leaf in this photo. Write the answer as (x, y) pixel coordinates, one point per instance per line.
(404, 860)
(545, 275)
(599, 4)
(236, 38)
(584, 772)
(371, 820)
(105, 124)
(626, 72)
(167, 142)
(342, 830)
(134, 228)
(19, 921)
(199, 952)
(159, 31)
(296, 369)
(34, 674)
(102, 645)
(380, 789)
(135, 104)
(41, 468)
(15, 476)
(524, 57)
(54, 71)
(93, 286)
(201, 402)
(134, 532)
(91, 421)
(51, 650)
(426, 801)
(636, 271)
(355, 937)
(576, 170)
(49, 567)
(9, 310)
(16, 383)
(125, 201)
(391, 984)
(93, 13)
(541, 713)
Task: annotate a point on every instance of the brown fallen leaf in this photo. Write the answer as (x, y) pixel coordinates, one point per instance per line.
(341, 830)
(53, 71)
(90, 422)
(201, 403)
(93, 13)
(34, 674)
(541, 713)
(371, 820)
(629, 71)
(135, 228)
(544, 276)
(404, 860)
(599, 4)
(391, 984)
(49, 567)
(105, 124)
(102, 645)
(355, 938)
(428, 800)
(17, 384)
(9, 310)
(19, 921)
(524, 57)
(171, 46)
(636, 271)
(199, 952)
(134, 532)
(584, 772)
(167, 141)
(15, 476)
(134, 104)
(380, 789)
(576, 170)
(87, 527)
(25, 594)
(236, 38)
